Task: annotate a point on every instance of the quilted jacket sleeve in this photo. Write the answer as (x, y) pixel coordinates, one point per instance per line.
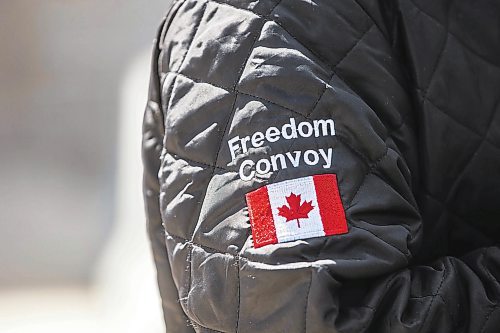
(233, 68)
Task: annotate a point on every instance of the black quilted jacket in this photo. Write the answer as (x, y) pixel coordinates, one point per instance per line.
(326, 166)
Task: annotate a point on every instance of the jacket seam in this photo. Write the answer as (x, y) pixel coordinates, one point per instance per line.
(374, 23)
(335, 66)
(427, 311)
(441, 109)
(370, 170)
(438, 61)
(179, 157)
(307, 300)
(405, 255)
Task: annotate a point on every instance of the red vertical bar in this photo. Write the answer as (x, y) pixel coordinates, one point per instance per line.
(330, 204)
(261, 218)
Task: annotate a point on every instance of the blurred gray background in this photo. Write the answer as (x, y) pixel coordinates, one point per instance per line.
(61, 64)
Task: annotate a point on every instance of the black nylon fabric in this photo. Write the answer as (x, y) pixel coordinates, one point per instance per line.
(413, 88)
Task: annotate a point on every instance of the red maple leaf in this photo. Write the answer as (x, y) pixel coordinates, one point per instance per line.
(295, 210)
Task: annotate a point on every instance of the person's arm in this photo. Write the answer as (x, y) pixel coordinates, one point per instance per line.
(366, 280)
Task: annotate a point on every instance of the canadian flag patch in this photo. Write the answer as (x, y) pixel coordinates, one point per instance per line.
(296, 209)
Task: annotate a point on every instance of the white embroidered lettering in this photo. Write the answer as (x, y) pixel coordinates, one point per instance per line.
(327, 157)
(294, 160)
(233, 146)
(257, 139)
(288, 131)
(307, 157)
(272, 134)
(249, 176)
(281, 158)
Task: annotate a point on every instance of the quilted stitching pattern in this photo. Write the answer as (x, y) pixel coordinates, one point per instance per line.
(444, 119)
(184, 84)
(225, 64)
